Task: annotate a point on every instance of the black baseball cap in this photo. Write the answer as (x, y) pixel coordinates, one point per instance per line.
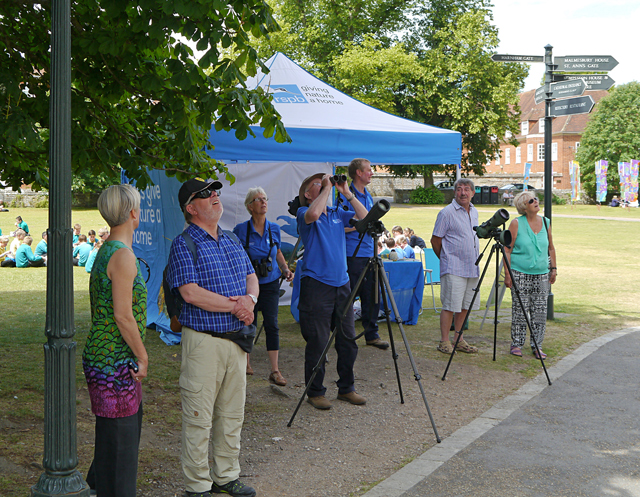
(192, 186)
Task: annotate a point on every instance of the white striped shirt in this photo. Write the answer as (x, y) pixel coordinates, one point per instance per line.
(460, 245)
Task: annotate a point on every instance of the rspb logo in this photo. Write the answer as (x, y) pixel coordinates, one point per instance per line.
(288, 94)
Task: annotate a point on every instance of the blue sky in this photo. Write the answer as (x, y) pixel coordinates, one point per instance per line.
(572, 27)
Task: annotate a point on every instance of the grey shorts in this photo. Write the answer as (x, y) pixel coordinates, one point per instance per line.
(456, 293)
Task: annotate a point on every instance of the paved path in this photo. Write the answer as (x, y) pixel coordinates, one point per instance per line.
(578, 437)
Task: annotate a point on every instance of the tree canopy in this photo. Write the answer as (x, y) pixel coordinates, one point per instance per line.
(139, 98)
(429, 61)
(613, 134)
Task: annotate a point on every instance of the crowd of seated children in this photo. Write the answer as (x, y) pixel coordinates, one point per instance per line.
(13, 254)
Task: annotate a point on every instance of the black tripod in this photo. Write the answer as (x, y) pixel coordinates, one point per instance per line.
(499, 237)
(373, 264)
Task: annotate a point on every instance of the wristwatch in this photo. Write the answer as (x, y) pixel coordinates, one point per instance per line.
(254, 298)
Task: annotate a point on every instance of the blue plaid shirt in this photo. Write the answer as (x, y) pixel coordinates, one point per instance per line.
(222, 268)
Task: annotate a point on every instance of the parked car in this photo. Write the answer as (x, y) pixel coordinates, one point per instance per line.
(515, 188)
(444, 185)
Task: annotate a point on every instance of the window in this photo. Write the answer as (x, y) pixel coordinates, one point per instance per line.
(554, 151)
(507, 156)
(530, 152)
(518, 155)
(540, 152)
(577, 146)
(524, 128)
(541, 125)
(508, 135)
(498, 159)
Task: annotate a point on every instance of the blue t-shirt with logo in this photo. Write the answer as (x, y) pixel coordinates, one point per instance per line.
(353, 237)
(324, 246)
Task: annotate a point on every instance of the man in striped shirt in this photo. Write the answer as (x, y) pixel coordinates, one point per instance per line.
(455, 243)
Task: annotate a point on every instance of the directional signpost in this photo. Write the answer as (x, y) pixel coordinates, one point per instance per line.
(570, 106)
(559, 86)
(573, 88)
(593, 81)
(516, 58)
(585, 63)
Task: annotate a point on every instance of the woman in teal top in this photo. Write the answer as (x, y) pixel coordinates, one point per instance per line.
(533, 263)
(115, 359)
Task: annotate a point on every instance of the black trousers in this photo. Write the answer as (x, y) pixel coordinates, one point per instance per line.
(114, 470)
(268, 301)
(320, 306)
(368, 290)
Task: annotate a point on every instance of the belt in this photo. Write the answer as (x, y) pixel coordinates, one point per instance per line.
(230, 335)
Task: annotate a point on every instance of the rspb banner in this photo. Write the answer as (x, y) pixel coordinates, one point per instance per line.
(601, 180)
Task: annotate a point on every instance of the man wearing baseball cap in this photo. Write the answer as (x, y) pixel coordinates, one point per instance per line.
(219, 290)
(324, 286)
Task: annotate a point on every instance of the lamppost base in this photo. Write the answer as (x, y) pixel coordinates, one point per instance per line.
(71, 484)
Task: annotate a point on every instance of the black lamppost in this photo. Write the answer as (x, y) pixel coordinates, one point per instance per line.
(548, 136)
(60, 453)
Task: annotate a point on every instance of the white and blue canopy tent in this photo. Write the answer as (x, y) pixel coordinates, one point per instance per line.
(327, 128)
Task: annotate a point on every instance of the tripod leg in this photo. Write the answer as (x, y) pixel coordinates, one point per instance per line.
(475, 295)
(496, 306)
(316, 368)
(516, 290)
(394, 354)
(416, 374)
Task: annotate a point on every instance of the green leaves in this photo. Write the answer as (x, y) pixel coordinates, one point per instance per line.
(428, 61)
(139, 99)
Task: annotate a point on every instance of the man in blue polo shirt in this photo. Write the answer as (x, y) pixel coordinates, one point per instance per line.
(324, 286)
(219, 290)
(360, 172)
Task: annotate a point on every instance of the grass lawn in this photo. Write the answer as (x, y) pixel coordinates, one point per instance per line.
(596, 292)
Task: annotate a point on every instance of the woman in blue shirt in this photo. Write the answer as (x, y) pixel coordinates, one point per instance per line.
(261, 240)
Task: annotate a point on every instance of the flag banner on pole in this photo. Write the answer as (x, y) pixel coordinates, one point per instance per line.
(624, 171)
(634, 180)
(527, 175)
(574, 171)
(601, 180)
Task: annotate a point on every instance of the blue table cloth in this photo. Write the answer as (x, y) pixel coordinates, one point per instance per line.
(406, 278)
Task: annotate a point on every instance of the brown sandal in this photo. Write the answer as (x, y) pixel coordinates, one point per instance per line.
(249, 369)
(445, 347)
(277, 378)
(463, 346)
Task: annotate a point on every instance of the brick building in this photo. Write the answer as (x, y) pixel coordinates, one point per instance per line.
(566, 134)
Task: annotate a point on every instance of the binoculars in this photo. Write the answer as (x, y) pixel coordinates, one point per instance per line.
(338, 179)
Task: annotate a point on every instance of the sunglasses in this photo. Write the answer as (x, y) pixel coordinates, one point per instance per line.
(532, 200)
(264, 200)
(204, 194)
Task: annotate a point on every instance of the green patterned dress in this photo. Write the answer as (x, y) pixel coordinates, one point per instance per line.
(113, 392)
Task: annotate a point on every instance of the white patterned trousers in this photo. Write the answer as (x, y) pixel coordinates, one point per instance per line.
(534, 290)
